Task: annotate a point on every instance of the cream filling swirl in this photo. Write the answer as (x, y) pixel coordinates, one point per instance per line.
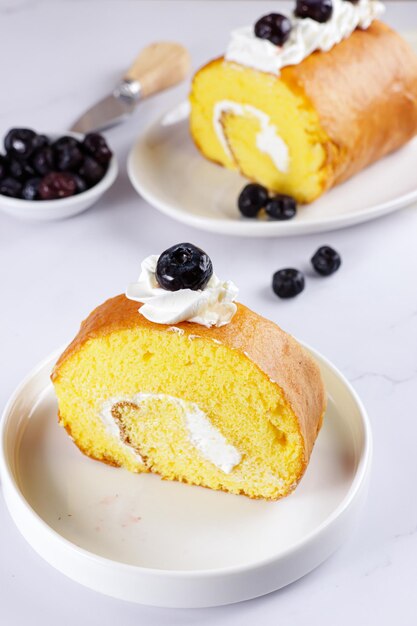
(205, 437)
(268, 139)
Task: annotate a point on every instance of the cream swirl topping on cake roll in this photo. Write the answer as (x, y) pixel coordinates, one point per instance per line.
(212, 306)
(307, 35)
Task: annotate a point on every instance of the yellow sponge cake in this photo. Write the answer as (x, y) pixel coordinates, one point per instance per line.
(191, 385)
(304, 116)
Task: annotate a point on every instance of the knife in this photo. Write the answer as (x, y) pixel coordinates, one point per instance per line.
(157, 67)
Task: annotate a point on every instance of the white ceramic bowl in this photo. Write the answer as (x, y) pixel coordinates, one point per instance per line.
(156, 542)
(43, 210)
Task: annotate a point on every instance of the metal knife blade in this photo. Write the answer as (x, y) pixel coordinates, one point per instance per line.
(111, 110)
(105, 113)
(158, 66)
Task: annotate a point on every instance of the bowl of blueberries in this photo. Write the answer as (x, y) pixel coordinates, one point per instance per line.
(51, 176)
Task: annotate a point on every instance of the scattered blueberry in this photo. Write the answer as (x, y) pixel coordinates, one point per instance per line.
(10, 187)
(288, 283)
(274, 27)
(20, 142)
(31, 188)
(183, 266)
(252, 199)
(326, 261)
(57, 185)
(96, 145)
(281, 207)
(43, 160)
(317, 10)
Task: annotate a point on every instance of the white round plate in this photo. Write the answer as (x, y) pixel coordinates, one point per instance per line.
(166, 168)
(139, 538)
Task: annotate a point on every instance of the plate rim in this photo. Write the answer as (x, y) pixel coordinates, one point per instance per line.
(246, 227)
(9, 481)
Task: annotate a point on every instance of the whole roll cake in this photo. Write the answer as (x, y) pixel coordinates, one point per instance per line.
(192, 386)
(304, 116)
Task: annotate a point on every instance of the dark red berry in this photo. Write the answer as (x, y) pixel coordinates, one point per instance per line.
(281, 207)
(95, 145)
(20, 142)
(31, 188)
(274, 27)
(43, 160)
(326, 261)
(10, 187)
(252, 199)
(317, 10)
(91, 171)
(57, 185)
(288, 282)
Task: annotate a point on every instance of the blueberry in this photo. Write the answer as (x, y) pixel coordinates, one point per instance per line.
(288, 283)
(326, 261)
(317, 10)
(3, 166)
(183, 266)
(20, 142)
(57, 185)
(95, 145)
(21, 170)
(41, 141)
(66, 141)
(91, 171)
(252, 199)
(10, 187)
(43, 160)
(281, 207)
(69, 158)
(274, 27)
(31, 189)
(67, 153)
(80, 182)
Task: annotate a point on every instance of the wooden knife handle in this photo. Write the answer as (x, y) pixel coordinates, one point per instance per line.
(158, 66)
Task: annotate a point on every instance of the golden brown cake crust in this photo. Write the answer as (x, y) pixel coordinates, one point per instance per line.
(275, 352)
(365, 92)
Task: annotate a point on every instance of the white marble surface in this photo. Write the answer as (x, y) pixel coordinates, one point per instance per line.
(57, 58)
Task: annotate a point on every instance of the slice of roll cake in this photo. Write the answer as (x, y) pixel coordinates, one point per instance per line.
(191, 386)
(303, 116)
